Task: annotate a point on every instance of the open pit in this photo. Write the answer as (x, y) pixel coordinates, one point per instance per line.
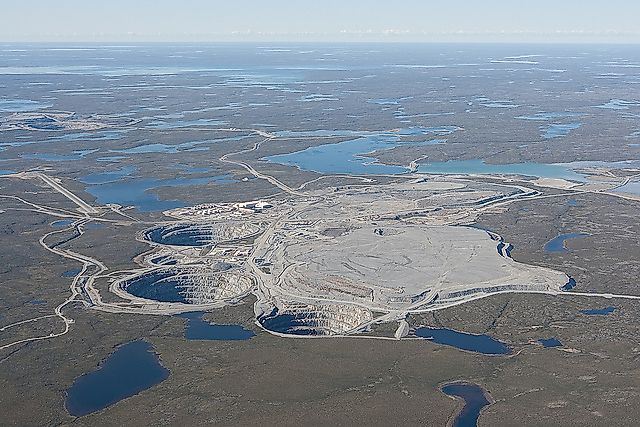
(337, 261)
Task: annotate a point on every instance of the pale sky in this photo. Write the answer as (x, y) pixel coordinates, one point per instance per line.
(321, 20)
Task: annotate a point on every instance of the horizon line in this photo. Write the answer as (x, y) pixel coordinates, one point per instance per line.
(324, 41)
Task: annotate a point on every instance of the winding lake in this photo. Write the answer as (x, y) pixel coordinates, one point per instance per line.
(474, 400)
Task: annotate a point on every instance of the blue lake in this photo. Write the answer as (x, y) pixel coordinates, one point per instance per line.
(101, 135)
(107, 177)
(166, 125)
(474, 400)
(557, 244)
(199, 329)
(550, 342)
(598, 311)
(557, 130)
(137, 192)
(477, 343)
(544, 117)
(52, 157)
(173, 149)
(347, 157)
(129, 370)
(480, 167)
(632, 187)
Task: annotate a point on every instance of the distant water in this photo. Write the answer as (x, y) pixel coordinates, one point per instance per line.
(499, 104)
(557, 130)
(553, 130)
(477, 343)
(100, 135)
(474, 400)
(166, 125)
(480, 167)
(137, 192)
(54, 157)
(129, 370)
(348, 157)
(632, 187)
(199, 329)
(177, 148)
(21, 105)
(557, 244)
(543, 117)
(107, 177)
(619, 104)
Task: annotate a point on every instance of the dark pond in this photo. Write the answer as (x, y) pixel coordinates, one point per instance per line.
(130, 369)
(477, 343)
(474, 400)
(550, 342)
(570, 284)
(71, 273)
(598, 311)
(199, 329)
